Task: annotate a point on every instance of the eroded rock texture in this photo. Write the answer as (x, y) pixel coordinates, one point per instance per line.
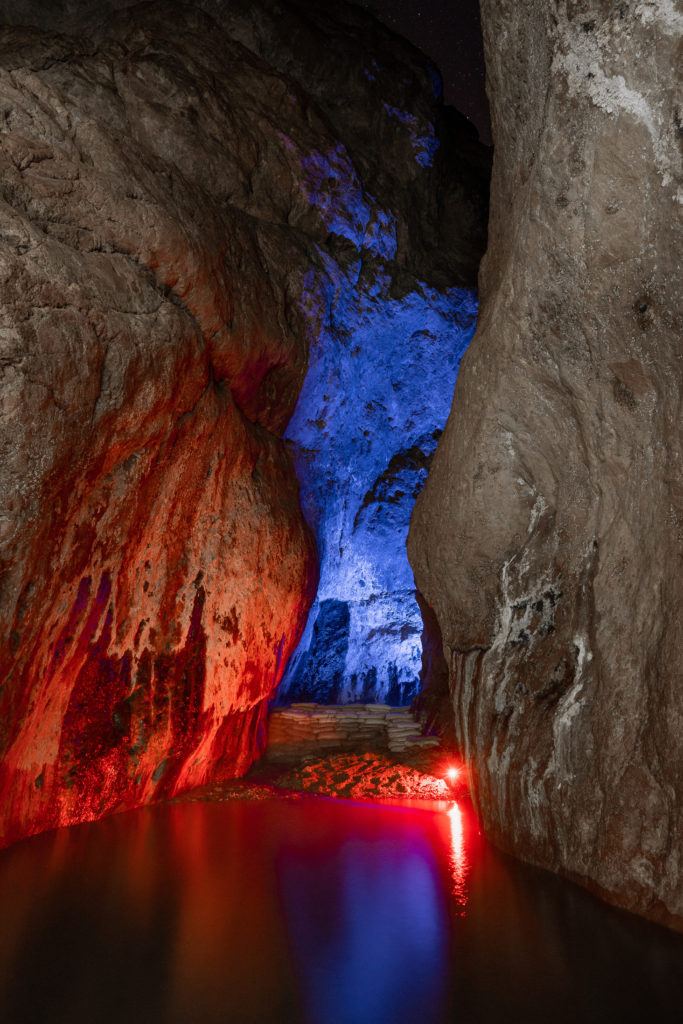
(155, 564)
(174, 178)
(550, 533)
(392, 310)
(370, 413)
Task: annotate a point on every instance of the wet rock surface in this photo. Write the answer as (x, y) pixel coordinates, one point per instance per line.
(394, 309)
(382, 364)
(177, 181)
(548, 538)
(156, 566)
(361, 774)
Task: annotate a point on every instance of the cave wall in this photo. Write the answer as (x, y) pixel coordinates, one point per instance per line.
(394, 308)
(175, 181)
(156, 568)
(371, 410)
(550, 533)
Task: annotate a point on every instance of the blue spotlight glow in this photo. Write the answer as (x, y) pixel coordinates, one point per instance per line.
(377, 394)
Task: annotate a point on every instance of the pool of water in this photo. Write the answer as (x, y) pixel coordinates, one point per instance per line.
(316, 911)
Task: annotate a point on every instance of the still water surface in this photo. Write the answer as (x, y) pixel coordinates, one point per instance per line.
(315, 911)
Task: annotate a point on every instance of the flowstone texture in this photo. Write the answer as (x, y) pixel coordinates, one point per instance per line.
(549, 536)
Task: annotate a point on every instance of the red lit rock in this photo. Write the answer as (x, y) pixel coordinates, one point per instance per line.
(156, 568)
(548, 538)
(369, 776)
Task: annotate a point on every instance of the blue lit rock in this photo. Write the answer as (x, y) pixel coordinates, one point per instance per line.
(399, 185)
(403, 197)
(377, 394)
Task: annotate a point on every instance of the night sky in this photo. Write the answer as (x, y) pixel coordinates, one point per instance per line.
(449, 32)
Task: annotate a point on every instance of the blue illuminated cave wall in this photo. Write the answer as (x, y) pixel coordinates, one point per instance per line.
(376, 397)
(388, 198)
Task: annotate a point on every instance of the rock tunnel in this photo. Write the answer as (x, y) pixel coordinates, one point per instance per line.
(238, 280)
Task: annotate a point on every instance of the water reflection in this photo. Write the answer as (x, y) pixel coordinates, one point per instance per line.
(318, 912)
(379, 953)
(458, 856)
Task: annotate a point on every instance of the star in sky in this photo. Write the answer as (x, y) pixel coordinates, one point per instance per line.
(449, 32)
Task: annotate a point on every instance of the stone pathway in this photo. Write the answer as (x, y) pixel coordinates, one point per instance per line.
(301, 731)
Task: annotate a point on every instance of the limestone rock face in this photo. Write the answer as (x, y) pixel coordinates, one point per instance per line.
(550, 533)
(391, 310)
(371, 410)
(174, 180)
(394, 310)
(156, 568)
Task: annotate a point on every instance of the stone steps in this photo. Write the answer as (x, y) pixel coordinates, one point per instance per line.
(302, 729)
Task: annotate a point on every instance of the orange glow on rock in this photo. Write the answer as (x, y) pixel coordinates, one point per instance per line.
(160, 638)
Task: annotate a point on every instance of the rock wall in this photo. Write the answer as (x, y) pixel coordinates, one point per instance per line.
(371, 410)
(394, 309)
(390, 308)
(173, 178)
(156, 569)
(550, 533)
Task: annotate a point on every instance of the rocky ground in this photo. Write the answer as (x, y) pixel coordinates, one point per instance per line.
(359, 776)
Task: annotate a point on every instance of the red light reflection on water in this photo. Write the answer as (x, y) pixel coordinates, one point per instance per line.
(311, 911)
(459, 862)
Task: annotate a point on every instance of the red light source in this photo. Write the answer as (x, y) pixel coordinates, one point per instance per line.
(452, 773)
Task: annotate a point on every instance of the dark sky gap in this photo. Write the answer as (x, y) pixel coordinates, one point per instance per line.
(449, 32)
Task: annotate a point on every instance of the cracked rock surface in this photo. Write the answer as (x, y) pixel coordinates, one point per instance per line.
(550, 533)
(167, 180)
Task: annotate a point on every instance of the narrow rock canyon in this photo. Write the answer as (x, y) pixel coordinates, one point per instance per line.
(194, 197)
(240, 248)
(549, 537)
